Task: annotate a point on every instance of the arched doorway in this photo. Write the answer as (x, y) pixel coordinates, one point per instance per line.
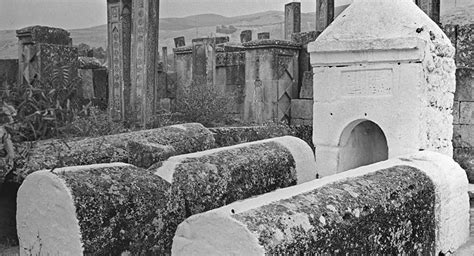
(362, 143)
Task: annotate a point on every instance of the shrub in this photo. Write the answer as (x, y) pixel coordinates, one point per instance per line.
(204, 104)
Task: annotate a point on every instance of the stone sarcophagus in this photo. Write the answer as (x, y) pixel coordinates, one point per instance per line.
(384, 78)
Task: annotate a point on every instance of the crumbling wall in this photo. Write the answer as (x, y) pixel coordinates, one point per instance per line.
(8, 73)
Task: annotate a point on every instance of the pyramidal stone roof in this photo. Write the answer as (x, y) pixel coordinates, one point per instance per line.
(378, 25)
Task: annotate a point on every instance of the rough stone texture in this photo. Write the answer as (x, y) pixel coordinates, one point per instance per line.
(394, 67)
(144, 60)
(304, 38)
(324, 14)
(413, 205)
(306, 91)
(183, 58)
(89, 63)
(271, 74)
(465, 46)
(169, 141)
(463, 136)
(467, 113)
(229, 136)
(464, 84)
(210, 179)
(302, 109)
(87, 88)
(92, 210)
(113, 148)
(292, 19)
(101, 85)
(8, 73)
(45, 35)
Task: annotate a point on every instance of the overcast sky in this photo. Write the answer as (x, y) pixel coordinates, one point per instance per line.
(71, 14)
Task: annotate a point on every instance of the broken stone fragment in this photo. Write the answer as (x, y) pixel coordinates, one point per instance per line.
(101, 209)
(413, 205)
(210, 179)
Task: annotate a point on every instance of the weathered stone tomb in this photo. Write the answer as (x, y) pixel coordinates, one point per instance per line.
(384, 78)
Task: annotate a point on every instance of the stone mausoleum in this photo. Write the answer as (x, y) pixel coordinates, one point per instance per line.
(384, 86)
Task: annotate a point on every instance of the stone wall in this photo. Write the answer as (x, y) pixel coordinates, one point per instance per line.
(463, 111)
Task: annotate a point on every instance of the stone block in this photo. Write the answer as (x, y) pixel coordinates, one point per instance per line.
(304, 38)
(420, 199)
(97, 209)
(87, 88)
(302, 109)
(465, 46)
(456, 112)
(44, 35)
(466, 112)
(101, 87)
(307, 85)
(8, 73)
(210, 179)
(50, 154)
(464, 84)
(463, 135)
(229, 136)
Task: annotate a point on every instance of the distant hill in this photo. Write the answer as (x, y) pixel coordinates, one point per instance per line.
(205, 25)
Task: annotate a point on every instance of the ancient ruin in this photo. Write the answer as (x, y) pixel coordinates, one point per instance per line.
(368, 112)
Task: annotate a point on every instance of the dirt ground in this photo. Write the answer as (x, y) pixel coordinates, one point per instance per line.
(8, 236)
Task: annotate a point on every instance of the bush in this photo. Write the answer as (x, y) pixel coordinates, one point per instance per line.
(204, 104)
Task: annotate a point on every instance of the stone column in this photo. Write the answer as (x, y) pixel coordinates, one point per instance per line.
(145, 57)
(324, 14)
(246, 36)
(292, 19)
(431, 8)
(165, 58)
(119, 43)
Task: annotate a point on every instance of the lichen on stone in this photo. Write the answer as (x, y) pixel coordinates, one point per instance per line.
(390, 212)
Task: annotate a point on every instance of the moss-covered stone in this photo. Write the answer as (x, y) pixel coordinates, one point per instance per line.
(172, 140)
(387, 212)
(119, 209)
(96, 210)
(228, 136)
(113, 148)
(207, 180)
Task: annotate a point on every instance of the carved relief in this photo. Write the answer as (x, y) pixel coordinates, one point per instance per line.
(377, 82)
(116, 72)
(140, 54)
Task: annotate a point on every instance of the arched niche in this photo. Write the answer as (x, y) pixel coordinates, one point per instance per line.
(362, 143)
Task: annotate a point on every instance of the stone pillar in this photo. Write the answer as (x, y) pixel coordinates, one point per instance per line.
(263, 35)
(35, 55)
(203, 61)
(431, 8)
(165, 58)
(179, 42)
(119, 42)
(324, 14)
(292, 19)
(145, 58)
(246, 36)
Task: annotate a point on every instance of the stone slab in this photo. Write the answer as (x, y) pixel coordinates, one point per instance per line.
(465, 46)
(464, 84)
(307, 85)
(463, 136)
(304, 218)
(302, 109)
(466, 112)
